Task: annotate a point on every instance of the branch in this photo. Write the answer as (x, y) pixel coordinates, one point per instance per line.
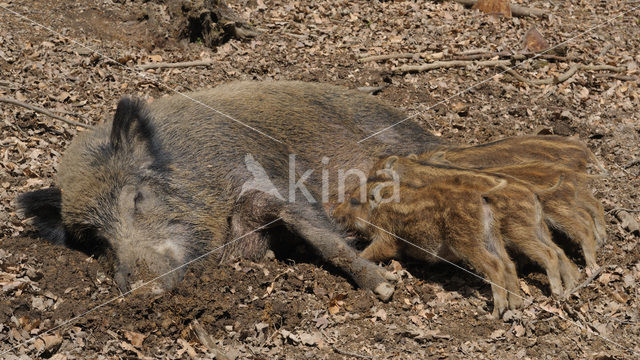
(207, 341)
(347, 353)
(510, 55)
(562, 77)
(632, 163)
(162, 65)
(388, 57)
(450, 64)
(586, 282)
(516, 10)
(617, 77)
(42, 111)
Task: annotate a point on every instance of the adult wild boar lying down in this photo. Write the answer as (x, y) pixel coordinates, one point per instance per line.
(163, 183)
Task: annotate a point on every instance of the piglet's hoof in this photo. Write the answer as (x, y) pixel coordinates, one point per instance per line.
(384, 291)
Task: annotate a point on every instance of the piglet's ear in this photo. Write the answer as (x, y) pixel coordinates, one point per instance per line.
(45, 207)
(391, 163)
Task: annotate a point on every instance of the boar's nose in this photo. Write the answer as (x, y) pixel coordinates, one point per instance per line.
(122, 277)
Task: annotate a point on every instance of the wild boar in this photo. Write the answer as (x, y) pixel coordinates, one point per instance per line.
(169, 181)
(567, 151)
(440, 221)
(516, 207)
(570, 208)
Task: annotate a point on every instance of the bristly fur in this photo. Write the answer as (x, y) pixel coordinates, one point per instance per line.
(162, 183)
(44, 206)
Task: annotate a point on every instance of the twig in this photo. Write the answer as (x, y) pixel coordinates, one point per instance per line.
(615, 210)
(450, 64)
(632, 163)
(162, 65)
(508, 54)
(562, 77)
(474, 51)
(42, 111)
(586, 282)
(606, 49)
(206, 340)
(516, 10)
(388, 57)
(297, 36)
(617, 77)
(346, 353)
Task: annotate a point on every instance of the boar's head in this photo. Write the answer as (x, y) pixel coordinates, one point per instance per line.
(115, 189)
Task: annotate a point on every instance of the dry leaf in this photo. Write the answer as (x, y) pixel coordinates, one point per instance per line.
(380, 314)
(494, 7)
(519, 330)
(533, 41)
(310, 339)
(128, 347)
(135, 338)
(497, 334)
(334, 309)
(188, 348)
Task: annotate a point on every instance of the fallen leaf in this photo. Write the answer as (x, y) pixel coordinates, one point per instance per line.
(188, 348)
(497, 334)
(519, 330)
(533, 41)
(334, 309)
(310, 339)
(494, 7)
(322, 322)
(135, 338)
(380, 314)
(51, 340)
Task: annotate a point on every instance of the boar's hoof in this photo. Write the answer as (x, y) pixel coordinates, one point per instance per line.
(384, 291)
(389, 276)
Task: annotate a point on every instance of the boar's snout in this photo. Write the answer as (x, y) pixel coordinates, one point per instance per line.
(132, 273)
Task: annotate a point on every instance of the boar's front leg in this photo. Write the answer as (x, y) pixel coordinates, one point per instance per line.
(310, 222)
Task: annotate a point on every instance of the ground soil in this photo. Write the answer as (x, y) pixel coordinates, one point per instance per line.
(78, 58)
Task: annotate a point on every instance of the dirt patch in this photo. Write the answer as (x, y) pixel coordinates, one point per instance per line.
(300, 308)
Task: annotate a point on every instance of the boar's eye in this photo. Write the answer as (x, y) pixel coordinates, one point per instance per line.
(354, 202)
(138, 198)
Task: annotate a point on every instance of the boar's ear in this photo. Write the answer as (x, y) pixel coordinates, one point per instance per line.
(412, 156)
(133, 128)
(45, 207)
